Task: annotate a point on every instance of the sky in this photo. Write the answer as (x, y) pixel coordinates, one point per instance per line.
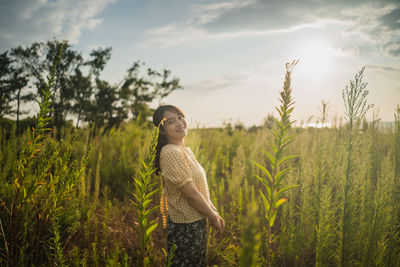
(230, 55)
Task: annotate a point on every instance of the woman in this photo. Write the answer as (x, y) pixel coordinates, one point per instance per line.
(185, 198)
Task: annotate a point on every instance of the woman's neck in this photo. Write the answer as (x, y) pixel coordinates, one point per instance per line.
(178, 142)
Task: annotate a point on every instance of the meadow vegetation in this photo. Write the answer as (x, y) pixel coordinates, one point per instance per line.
(92, 200)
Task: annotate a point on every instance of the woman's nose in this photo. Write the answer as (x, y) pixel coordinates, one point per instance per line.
(181, 123)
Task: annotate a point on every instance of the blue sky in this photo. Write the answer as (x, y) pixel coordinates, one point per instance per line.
(230, 55)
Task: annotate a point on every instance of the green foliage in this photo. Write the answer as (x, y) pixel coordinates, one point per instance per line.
(251, 238)
(393, 241)
(36, 193)
(170, 257)
(355, 101)
(273, 179)
(95, 223)
(78, 89)
(143, 195)
(138, 90)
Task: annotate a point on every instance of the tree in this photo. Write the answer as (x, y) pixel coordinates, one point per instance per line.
(105, 109)
(83, 85)
(12, 82)
(6, 91)
(83, 90)
(36, 62)
(138, 90)
(78, 89)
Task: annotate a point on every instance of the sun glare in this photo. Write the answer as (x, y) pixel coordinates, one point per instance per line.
(316, 59)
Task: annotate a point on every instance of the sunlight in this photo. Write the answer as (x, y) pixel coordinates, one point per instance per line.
(316, 58)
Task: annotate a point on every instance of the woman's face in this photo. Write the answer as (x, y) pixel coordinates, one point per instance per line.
(175, 127)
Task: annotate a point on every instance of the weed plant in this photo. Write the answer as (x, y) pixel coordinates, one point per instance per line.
(355, 102)
(273, 179)
(77, 208)
(33, 199)
(143, 196)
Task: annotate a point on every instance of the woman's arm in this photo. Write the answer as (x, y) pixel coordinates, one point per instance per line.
(212, 206)
(197, 200)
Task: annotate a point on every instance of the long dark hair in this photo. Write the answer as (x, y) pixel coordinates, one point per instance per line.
(158, 117)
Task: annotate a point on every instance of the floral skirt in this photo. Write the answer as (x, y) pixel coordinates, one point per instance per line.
(191, 242)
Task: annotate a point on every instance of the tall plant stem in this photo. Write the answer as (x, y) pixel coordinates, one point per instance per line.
(273, 180)
(355, 101)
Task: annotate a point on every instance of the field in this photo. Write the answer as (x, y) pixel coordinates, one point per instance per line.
(69, 202)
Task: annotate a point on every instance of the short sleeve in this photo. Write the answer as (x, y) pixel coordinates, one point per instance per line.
(174, 167)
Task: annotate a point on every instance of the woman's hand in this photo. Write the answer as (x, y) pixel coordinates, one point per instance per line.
(217, 222)
(197, 200)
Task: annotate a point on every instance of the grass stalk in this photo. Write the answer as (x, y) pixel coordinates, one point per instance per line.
(142, 198)
(355, 100)
(251, 237)
(273, 179)
(393, 247)
(25, 201)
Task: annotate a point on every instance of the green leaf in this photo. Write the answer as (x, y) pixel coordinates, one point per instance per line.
(144, 164)
(136, 197)
(137, 181)
(151, 210)
(285, 144)
(280, 112)
(280, 202)
(283, 190)
(289, 138)
(264, 170)
(266, 185)
(134, 203)
(261, 180)
(146, 203)
(266, 203)
(280, 175)
(151, 172)
(273, 217)
(146, 261)
(275, 133)
(282, 161)
(153, 192)
(154, 221)
(269, 156)
(151, 229)
(164, 251)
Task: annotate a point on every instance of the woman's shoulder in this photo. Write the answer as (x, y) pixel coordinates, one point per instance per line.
(170, 149)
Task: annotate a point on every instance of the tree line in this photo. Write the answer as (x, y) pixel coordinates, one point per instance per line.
(78, 89)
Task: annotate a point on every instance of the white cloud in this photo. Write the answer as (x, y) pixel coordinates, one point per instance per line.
(190, 31)
(216, 83)
(368, 24)
(393, 49)
(208, 12)
(364, 21)
(348, 51)
(41, 20)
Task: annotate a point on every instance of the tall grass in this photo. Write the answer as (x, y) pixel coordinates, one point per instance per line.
(273, 181)
(355, 102)
(251, 238)
(324, 207)
(77, 208)
(143, 194)
(393, 240)
(34, 198)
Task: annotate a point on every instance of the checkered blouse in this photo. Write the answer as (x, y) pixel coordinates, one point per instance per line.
(179, 166)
